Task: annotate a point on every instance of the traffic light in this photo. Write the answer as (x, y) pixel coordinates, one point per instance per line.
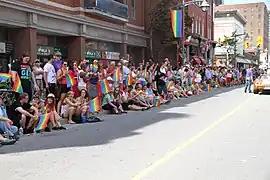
(247, 44)
(259, 41)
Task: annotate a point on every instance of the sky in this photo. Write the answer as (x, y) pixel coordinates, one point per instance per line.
(247, 1)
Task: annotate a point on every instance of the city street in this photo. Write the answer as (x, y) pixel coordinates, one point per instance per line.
(222, 135)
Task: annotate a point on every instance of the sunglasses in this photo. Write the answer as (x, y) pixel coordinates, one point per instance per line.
(65, 64)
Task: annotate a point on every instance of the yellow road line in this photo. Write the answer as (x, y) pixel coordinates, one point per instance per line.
(187, 143)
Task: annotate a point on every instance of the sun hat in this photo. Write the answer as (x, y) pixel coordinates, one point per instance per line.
(51, 95)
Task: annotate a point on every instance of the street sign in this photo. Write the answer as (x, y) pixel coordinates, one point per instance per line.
(259, 41)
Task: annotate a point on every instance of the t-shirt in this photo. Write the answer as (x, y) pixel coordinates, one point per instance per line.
(25, 73)
(51, 74)
(57, 65)
(107, 96)
(81, 82)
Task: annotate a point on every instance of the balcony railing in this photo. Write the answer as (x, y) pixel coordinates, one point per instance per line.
(107, 7)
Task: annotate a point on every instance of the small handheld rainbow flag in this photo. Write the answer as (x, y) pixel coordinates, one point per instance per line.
(177, 23)
(117, 75)
(71, 81)
(129, 80)
(169, 84)
(95, 67)
(104, 86)
(94, 105)
(42, 123)
(17, 86)
(4, 76)
(157, 102)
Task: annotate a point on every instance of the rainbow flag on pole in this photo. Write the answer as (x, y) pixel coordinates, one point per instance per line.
(71, 81)
(129, 80)
(117, 75)
(95, 67)
(169, 84)
(42, 123)
(4, 76)
(94, 105)
(17, 86)
(177, 23)
(103, 86)
(157, 101)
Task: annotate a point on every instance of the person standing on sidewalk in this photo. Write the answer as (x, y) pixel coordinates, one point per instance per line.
(249, 79)
(50, 76)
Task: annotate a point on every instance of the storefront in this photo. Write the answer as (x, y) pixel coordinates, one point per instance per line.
(6, 52)
(43, 52)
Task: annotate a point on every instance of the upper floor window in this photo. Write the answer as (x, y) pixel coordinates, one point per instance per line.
(133, 9)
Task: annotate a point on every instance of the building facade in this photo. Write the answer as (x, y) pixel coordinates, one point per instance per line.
(228, 22)
(225, 24)
(91, 29)
(257, 25)
(198, 41)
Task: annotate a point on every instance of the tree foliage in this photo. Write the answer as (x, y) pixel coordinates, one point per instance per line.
(160, 20)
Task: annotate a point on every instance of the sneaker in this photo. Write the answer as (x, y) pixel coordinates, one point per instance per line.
(7, 142)
(55, 128)
(62, 128)
(47, 129)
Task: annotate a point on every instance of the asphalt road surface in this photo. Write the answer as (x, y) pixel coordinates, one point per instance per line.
(223, 135)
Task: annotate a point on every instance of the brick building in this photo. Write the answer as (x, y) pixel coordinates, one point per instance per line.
(102, 29)
(199, 42)
(257, 24)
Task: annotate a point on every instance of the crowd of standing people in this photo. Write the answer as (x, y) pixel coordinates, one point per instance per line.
(46, 90)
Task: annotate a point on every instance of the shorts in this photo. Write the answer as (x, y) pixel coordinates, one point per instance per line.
(63, 88)
(92, 91)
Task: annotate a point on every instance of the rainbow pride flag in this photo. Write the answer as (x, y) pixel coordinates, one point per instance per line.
(4, 76)
(94, 105)
(157, 102)
(177, 23)
(17, 86)
(169, 84)
(103, 86)
(95, 67)
(129, 80)
(117, 75)
(71, 81)
(42, 123)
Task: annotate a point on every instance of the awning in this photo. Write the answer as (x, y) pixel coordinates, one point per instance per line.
(241, 60)
(196, 59)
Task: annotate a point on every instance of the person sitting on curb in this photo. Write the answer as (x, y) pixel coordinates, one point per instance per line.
(6, 125)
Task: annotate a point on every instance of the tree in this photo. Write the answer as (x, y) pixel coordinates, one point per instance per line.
(160, 21)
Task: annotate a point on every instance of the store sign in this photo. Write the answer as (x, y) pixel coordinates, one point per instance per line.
(45, 50)
(93, 54)
(9, 48)
(111, 55)
(2, 48)
(62, 50)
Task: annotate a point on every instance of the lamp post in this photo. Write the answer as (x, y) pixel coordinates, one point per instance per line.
(204, 6)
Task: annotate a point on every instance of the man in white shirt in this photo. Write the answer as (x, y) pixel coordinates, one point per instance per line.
(50, 76)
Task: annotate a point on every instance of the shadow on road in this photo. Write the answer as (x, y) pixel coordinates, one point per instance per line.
(113, 127)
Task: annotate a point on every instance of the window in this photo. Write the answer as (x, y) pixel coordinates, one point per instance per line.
(198, 26)
(203, 29)
(259, 16)
(245, 17)
(259, 23)
(192, 27)
(259, 31)
(133, 9)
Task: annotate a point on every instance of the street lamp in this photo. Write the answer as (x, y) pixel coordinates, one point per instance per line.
(204, 6)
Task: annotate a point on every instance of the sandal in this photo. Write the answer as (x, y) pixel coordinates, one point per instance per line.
(71, 122)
